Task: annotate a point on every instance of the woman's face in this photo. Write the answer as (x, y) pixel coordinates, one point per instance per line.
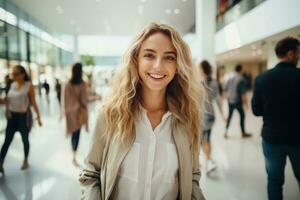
(16, 74)
(157, 62)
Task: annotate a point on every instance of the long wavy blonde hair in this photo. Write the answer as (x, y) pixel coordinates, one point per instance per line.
(183, 93)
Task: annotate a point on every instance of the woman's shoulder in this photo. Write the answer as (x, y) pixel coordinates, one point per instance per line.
(28, 84)
(100, 117)
(83, 84)
(66, 85)
(100, 123)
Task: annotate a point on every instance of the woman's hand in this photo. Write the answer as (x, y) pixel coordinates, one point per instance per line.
(2, 101)
(39, 121)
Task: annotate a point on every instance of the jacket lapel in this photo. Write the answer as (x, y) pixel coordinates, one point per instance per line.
(185, 161)
(117, 152)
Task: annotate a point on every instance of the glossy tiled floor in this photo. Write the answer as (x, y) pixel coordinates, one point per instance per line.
(240, 174)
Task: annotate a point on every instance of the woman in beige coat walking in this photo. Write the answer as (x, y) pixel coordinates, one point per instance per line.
(75, 106)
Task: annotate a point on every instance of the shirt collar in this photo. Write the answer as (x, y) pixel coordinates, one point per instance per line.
(143, 114)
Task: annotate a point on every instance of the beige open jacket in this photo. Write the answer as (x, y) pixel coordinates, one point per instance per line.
(103, 161)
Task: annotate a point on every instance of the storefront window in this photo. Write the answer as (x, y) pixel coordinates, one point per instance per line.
(39, 51)
(12, 33)
(33, 48)
(34, 68)
(2, 40)
(66, 57)
(23, 45)
(52, 55)
(3, 70)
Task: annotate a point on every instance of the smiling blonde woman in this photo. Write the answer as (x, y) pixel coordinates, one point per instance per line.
(147, 136)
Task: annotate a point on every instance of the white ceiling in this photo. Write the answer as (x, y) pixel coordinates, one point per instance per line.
(109, 17)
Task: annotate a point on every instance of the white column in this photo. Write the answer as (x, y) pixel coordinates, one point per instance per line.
(205, 30)
(272, 59)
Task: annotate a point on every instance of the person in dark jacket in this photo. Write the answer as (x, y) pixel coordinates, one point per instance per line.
(276, 97)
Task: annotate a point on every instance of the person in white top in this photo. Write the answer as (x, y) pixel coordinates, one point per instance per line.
(19, 99)
(137, 151)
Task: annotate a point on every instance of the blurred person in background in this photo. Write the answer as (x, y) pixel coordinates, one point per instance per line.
(46, 87)
(276, 97)
(219, 79)
(75, 107)
(208, 118)
(248, 78)
(236, 88)
(147, 138)
(8, 82)
(20, 97)
(58, 89)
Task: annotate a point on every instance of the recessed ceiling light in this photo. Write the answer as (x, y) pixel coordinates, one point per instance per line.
(143, 1)
(59, 9)
(176, 11)
(168, 11)
(98, 0)
(184, 0)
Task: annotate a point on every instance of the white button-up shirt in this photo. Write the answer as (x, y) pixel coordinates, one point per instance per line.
(150, 169)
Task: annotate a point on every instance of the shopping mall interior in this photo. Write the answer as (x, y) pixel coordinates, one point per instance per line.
(48, 37)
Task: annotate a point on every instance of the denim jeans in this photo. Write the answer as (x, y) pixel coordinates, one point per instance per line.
(75, 139)
(240, 109)
(16, 122)
(275, 160)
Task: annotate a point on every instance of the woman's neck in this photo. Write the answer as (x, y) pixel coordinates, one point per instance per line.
(153, 100)
(20, 82)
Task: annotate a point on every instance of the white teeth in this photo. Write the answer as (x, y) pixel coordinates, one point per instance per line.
(156, 76)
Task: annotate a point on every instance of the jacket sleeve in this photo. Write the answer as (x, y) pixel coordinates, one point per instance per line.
(89, 177)
(84, 95)
(197, 193)
(256, 102)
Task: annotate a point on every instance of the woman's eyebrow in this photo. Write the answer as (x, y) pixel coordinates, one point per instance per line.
(167, 52)
(170, 52)
(151, 50)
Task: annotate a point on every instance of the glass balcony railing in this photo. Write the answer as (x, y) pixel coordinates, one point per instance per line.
(227, 13)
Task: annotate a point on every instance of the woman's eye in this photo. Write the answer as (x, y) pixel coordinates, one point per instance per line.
(171, 58)
(149, 56)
